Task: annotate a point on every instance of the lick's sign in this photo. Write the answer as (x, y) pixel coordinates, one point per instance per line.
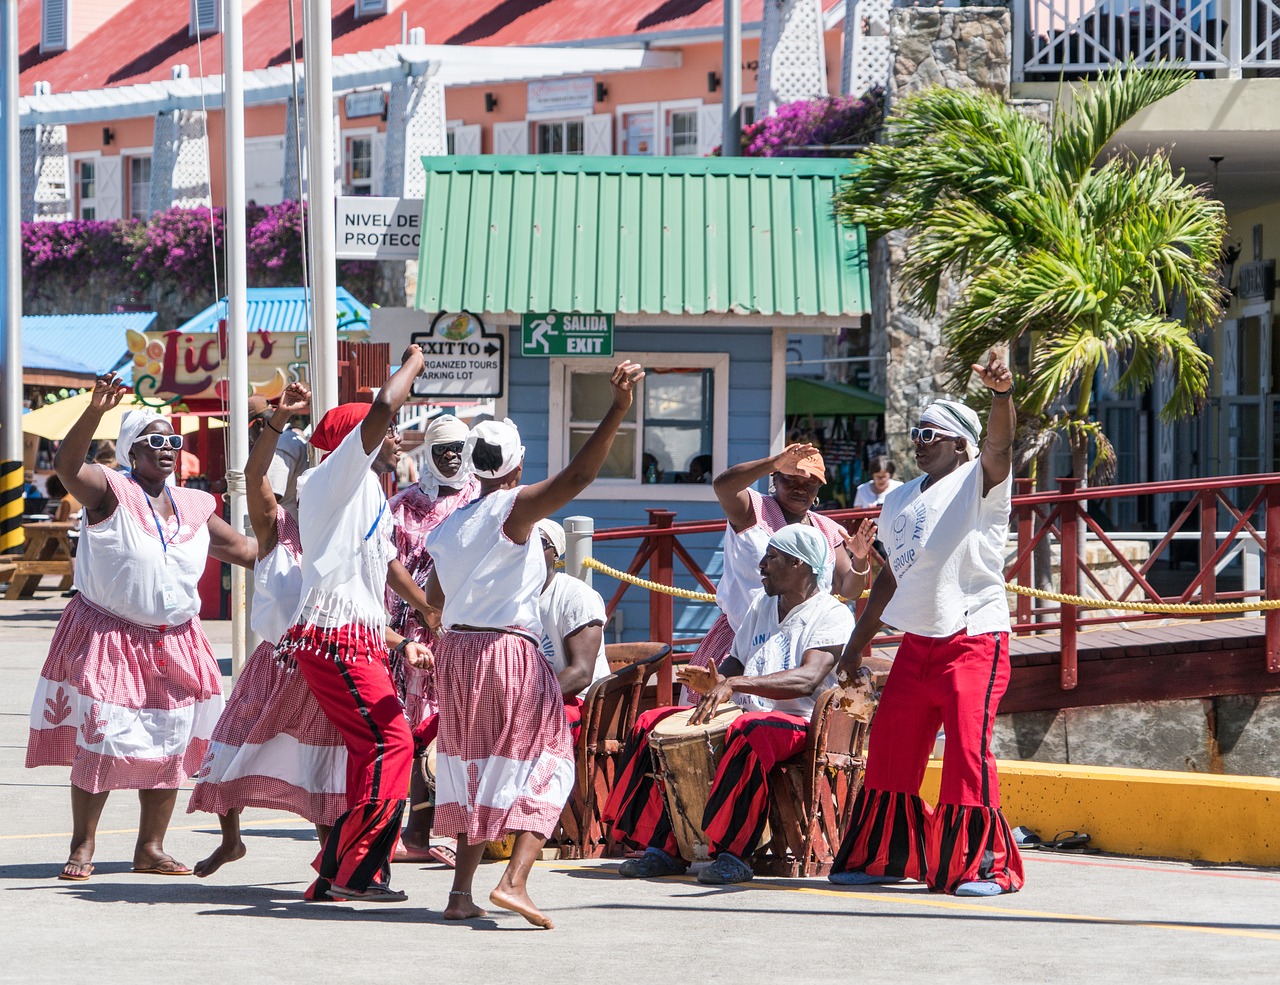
(463, 358)
(556, 333)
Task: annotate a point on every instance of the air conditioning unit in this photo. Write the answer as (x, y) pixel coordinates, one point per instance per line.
(206, 17)
(54, 30)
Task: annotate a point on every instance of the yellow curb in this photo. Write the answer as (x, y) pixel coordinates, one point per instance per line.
(1149, 813)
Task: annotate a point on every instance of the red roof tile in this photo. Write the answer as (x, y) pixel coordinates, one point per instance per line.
(149, 36)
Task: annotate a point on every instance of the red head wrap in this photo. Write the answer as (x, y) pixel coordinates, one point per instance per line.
(337, 424)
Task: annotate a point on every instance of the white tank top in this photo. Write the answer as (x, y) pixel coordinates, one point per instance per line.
(277, 581)
(124, 566)
(489, 581)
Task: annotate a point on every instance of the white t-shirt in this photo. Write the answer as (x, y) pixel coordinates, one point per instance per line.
(287, 464)
(566, 606)
(489, 581)
(866, 496)
(347, 540)
(946, 549)
(764, 646)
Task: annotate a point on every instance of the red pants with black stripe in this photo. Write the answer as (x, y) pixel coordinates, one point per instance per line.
(955, 682)
(738, 807)
(346, 669)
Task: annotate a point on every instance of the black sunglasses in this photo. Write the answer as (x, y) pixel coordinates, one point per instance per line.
(439, 451)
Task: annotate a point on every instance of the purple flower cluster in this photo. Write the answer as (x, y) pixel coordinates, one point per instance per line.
(173, 250)
(821, 123)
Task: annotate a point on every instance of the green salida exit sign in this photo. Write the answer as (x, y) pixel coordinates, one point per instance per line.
(561, 333)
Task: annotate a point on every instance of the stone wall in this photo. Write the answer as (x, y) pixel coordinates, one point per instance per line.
(961, 48)
(1236, 735)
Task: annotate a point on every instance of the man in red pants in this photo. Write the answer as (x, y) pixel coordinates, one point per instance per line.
(783, 656)
(943, 587)
(337, 634)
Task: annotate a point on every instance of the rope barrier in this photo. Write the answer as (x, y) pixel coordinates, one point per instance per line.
(1080, 601)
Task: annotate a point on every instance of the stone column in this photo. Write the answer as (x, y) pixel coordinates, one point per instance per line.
(965, 47)
(179, 161)
(46, 174)
(295, 115)
(415, 127)
(793, 60)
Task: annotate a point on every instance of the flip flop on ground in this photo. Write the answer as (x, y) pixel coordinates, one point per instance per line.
(374, 894)
(444, 855)
(76, 871)
(163, 867)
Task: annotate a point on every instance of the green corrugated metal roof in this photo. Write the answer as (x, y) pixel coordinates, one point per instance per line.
(674, 236)
(827, 398)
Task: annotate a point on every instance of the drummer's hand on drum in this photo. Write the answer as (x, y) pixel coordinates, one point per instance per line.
(713, 699)
(700, 680)
(418, 656)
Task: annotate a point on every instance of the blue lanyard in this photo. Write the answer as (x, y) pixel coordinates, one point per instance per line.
(376, 520)
(154, 516)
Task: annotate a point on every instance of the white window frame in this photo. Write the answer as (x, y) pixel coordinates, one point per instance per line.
(749, 99)
(78, 203)
(631, 489)
(127, 156)
(533, 120)
(375, 179)
(660, 111)
(693, 106)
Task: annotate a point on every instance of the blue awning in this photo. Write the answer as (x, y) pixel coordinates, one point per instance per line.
(80, 343)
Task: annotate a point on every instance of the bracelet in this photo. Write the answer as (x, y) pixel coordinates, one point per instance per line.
(459, 892)
(273, 427)
(1001, 393)
(864, 571)
(400, 647)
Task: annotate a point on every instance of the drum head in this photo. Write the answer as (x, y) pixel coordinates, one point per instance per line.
(678, 724)
(427, 763)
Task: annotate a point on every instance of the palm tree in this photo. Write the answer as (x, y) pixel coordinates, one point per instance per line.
(1086, 255)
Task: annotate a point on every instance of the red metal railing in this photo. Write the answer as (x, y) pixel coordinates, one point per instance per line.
(1056, 518)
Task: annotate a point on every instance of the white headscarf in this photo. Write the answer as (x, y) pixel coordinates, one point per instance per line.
(802, 541)
(554, 533)
(505, 435)
(132, 424)
(443, 430)
(950, 415)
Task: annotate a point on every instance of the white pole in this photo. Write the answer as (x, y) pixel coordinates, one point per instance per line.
(317, 54)
(731, 80)
(237, 364)
(11, 483)
(578, 531)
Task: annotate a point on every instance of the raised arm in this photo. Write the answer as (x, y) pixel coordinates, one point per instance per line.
(229, 545)
(390, 398)
(732, 484)
(296, 399)
(997, 449)
(853, 561)
(869, 623)
(84, 481)
(541, 499)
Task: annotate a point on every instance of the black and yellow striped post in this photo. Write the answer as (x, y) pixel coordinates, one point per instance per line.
(11, 486)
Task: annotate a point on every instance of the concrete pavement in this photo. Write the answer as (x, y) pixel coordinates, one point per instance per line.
(1080, 919)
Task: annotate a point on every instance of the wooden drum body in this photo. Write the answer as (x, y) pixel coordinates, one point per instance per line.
(686, 757)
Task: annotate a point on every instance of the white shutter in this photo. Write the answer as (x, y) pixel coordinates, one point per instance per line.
(206, 17)
(1230, 357)
(710, 127)
(511, 138)
(379, 146)
(110, 191)
(597, 135)
(264, 170)
(53, 25)
(466, 140)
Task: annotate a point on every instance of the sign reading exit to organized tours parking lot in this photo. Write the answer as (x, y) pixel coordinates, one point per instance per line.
(560, 333)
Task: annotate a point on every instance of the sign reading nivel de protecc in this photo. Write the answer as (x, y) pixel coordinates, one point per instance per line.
(558, 333)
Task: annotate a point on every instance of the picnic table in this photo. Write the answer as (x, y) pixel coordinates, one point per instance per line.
(48, 552)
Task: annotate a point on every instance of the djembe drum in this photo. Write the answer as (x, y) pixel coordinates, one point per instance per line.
(686, 757)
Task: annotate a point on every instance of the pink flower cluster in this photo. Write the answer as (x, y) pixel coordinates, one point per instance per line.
(816, 123)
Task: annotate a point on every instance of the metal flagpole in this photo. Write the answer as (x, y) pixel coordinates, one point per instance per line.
(10, 285)
(731, 140)
(317, 56)
(237, 356)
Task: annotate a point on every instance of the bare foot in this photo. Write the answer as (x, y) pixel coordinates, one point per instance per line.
(461, 907)
(165, 865)
(223, 854)
(520, 903)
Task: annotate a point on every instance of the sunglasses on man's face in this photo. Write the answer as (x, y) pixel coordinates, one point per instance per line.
(157, 441)
(927, 436)
(454, 447)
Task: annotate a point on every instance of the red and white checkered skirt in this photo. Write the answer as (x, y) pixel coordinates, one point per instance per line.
(504, 756)
(274, 748)
(127, 707)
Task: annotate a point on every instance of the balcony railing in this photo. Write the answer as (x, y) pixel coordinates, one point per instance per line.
(1073, 38)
